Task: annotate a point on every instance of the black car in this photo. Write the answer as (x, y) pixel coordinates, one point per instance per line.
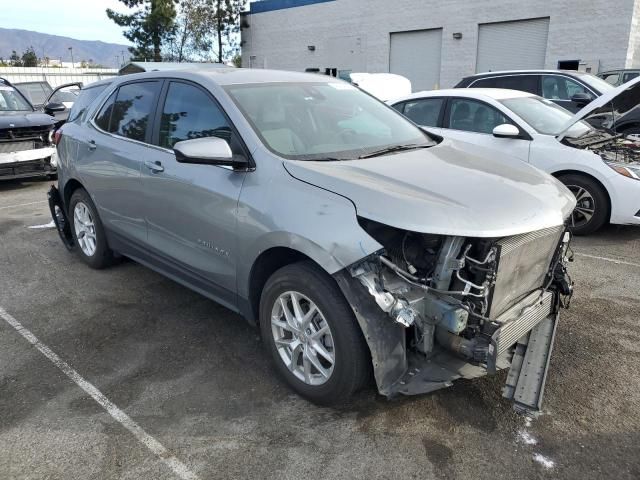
(26, 137)
(568, 88)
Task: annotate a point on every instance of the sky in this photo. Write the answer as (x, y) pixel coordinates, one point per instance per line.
(81, 19)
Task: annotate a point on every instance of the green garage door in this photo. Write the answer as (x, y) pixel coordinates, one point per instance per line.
(512, 45)
(416, 55)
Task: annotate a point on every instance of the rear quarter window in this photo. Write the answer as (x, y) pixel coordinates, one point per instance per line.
(84, 100)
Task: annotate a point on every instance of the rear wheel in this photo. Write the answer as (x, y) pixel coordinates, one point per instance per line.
(312, 336)
(87, 230)
(592, 204)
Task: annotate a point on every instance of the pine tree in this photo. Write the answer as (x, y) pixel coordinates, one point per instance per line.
(149, 27)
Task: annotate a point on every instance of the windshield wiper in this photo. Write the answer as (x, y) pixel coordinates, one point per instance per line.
(395, 148)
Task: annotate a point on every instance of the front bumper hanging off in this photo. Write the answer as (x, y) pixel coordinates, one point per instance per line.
(59, 216)
(528, 373)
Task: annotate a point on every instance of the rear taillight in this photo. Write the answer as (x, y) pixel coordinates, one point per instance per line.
(57, 135)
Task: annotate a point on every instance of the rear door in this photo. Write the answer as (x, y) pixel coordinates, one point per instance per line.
(191, 209)
(473, 121)
(112, 152)
(426, 112)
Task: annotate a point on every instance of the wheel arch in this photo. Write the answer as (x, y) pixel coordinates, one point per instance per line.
(71, 186)
(267, 263)
(560, 173)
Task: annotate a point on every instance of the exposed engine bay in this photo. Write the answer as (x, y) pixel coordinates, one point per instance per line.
(459, 306)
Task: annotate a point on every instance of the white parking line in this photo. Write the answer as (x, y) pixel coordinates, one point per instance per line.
(607, 259)
(179, 468)
(22, 204)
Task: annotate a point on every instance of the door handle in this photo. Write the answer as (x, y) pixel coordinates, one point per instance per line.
(155, 167)
(92, 145)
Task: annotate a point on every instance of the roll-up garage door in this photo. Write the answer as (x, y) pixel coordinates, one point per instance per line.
(514, 45)
(416, 55)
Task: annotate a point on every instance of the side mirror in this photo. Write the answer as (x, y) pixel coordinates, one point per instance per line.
(53, 107)
(506, 130)
(208, 151)
(581, 99)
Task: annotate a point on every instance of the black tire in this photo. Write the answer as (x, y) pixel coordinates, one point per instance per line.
(599, 201)
(103, 255)
(352, 366)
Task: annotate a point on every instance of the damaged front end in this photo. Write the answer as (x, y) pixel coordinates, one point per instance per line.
(436, 308)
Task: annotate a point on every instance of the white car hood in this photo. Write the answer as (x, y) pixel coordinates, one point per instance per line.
(599, 102)
(444, 190)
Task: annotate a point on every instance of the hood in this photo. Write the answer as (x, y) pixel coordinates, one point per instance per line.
(445, 190)
(608, 109)
(24, 119)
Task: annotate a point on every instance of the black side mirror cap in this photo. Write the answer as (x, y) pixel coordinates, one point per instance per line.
(581, 98)
(53, 107)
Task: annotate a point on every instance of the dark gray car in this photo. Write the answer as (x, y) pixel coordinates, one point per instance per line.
(354, 239)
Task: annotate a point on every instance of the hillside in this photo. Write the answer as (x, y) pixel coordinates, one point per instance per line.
(54, 46)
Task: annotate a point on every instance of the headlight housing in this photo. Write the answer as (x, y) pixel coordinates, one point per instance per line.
(626, 169)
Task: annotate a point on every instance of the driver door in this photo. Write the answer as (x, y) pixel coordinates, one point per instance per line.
(191, 209)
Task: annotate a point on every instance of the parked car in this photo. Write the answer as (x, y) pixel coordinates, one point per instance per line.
(383, 86)
(599, 166)
(36, 92)
(568, 88)
(354, 251)
(618, 77)
(26, 147)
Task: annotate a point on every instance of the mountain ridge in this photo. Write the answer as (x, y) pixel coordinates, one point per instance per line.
(57, 47)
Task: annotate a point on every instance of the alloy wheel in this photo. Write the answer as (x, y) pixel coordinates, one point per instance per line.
(585, 206)
(303, 338)
(85, 228)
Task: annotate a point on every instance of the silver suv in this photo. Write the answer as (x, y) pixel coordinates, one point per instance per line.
(354, 239)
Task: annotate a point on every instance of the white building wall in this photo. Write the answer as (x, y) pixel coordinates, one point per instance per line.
(56, 76)
(592, 30)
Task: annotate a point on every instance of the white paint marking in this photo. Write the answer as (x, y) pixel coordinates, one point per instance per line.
(544, 461)
(51, 224)
(22, 205)
(526, 438)
(607, 259)
(179, 468)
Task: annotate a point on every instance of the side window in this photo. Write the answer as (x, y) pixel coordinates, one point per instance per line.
(103, 118)
(555, 87)
(524, 83)
(399, 106)
(86, 96)
(474, 116)
(611, 78)
(425, 111)
(630, 76)
(189, 113)
(133, 107)
(66, 95)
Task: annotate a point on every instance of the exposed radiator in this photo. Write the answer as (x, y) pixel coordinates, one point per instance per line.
(524, 261)
(522, 318)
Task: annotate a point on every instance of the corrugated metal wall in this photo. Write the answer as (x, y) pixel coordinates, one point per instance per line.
(56, 76)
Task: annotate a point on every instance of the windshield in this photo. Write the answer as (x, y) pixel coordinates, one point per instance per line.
(597, 83)
(544, 116)
(12, 101)
(323, 120)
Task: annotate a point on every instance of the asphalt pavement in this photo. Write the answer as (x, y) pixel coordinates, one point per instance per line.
(192, 377)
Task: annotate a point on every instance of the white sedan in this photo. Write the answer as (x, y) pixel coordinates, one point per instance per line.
(601, 168)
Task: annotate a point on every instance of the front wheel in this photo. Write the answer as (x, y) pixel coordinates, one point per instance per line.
(592, 204)
(312, 336)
